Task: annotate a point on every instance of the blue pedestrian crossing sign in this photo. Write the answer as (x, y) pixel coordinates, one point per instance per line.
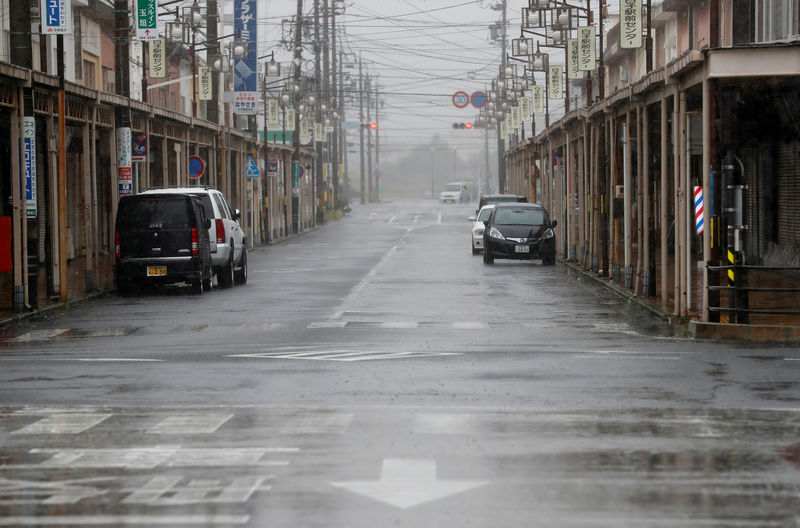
(252, 168)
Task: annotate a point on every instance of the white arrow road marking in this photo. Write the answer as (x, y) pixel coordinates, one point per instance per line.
(405, 483)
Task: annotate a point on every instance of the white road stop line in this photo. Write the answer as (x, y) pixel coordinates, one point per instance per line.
(125, 520)
(63, 424)
(320, 424)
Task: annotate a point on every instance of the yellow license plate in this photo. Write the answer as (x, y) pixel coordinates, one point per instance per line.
(156, 271)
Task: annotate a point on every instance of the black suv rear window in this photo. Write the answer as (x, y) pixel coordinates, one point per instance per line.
(154, 212)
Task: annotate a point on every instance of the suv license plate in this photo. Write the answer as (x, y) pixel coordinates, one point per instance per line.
(156, 271)
(522, 249)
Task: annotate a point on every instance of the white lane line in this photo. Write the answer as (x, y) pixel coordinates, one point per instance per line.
(628, 356)
(328, 324)
(358, 288)
(125, 520)
(391, 219)
(191, 424)
(318, 424)
(470, 325)
(40, 335)
(63, 424)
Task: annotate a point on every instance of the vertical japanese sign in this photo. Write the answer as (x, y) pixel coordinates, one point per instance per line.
(503, 129)
(147, 19)
(56, 17)
(204, 80)
(538, 99)
(525, 109)
(291, 115)
(586, 48)
(515, 117)
(297, 171)
(273, 119)
(556, 82)
(572, 60)
(29, 153)
(158, 66)
(124, 174)
(319, 133)
(244, 70)
(630, 33)
(303, 133)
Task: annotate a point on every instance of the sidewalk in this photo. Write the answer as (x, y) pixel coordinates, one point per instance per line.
(786, 334)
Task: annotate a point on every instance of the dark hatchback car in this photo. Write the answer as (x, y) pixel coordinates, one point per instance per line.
(520, 231)
(162, 239)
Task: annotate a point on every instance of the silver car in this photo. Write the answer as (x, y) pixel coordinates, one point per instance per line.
(478, 227)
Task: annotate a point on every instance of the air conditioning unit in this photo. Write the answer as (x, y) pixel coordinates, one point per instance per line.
(619, 191)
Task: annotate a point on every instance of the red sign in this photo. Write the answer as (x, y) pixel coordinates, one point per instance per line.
(196, 166)
(460, 99)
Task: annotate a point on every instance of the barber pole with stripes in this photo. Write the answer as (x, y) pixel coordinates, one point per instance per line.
(698, 209)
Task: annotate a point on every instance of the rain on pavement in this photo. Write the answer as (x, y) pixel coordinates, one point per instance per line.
(374, 373)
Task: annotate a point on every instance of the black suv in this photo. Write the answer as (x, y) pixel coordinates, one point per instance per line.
(499, 198)
(161, 239)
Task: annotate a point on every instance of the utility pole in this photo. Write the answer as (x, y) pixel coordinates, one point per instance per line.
(295, 176)
(368, 91)
(361, 123)
(318, 84)
(342, 194)
(501, 142)
(336, 108)
(377, 144)
(326, 77)
(212, 108)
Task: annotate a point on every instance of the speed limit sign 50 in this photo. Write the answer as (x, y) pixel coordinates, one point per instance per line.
(460, 99)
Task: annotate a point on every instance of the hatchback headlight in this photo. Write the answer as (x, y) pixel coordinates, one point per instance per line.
(494, 233)
(548, 233)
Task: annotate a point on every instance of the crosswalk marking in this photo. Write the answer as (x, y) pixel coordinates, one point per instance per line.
(341, 355)
(152, 457)
(40, 335)
(318, 424)
(71, 423)
(190, 424)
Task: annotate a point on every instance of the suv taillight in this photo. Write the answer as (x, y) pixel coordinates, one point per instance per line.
(116, 244)
(220, 231)
(195, 246)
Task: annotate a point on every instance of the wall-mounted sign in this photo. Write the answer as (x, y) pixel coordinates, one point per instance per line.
(29, 154)
(56, 17)
(244, 70)
(146, 19)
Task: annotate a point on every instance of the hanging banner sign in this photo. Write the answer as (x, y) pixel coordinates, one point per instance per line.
(537, 99)
(319, 133)
(273, 119)
(29, 154)
(244, 70)
(204, 82)
(158, 64)
(124, 173)
(572, 60)
(297, 171)
(556, 82)
(503, 129)
(515, 117)
(525, 109)
(587, 55)
(56, 17)
(147, 20)
(630, 33)
(291, 115)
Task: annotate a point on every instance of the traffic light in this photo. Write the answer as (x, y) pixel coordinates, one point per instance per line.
(373, 125)
(466, 125)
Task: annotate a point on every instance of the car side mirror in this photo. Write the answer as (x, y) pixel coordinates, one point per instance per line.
(471, 218)
(208, 223)
(237, 214)
(485, 223)
(554, 223)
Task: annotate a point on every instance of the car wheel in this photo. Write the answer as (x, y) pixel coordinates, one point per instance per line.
(225, 276)
(488, 258)
(124, 287)
(549, 260)
(240, 277)
(208, 279)
(475, 251)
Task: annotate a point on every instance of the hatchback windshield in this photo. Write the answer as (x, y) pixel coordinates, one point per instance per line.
(452, 187)
(519, 217)
(485, 213)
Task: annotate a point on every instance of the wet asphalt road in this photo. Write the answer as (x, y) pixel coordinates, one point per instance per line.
(375, 373)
